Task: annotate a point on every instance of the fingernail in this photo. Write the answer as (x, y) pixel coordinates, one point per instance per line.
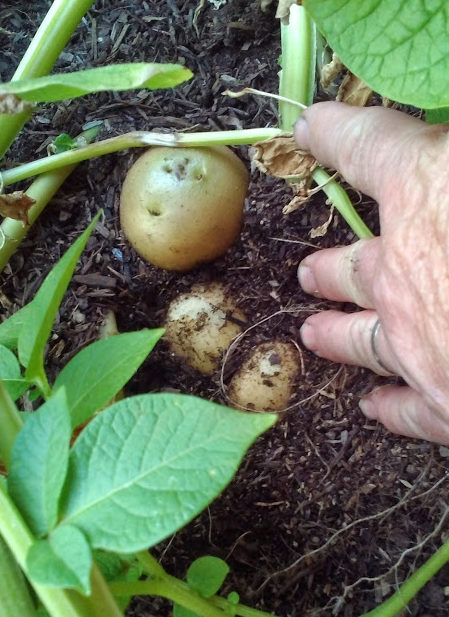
(368, 408)
(306, 279)
(307, 333)
(302, 135)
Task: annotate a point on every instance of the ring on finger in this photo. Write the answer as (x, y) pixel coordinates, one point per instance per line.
(374, 333)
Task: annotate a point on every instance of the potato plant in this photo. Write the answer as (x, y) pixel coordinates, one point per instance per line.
(59, 520)
(139, 470)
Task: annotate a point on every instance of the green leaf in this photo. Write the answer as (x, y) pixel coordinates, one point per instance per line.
(398, 48)
(39, 464)
(11, 328)
(437, 116)
(99, 371)
(233, 597)
(62, 560)
(42, 310)
(207, 574)
(111, 565)
(147, 465)
(112, 77)
(10, 374)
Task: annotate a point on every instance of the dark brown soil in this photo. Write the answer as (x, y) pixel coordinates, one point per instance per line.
(329, 512)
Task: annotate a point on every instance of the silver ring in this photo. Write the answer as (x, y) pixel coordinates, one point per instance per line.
(374, 333)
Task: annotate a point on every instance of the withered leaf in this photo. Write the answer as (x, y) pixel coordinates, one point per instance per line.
(283, 10)
(331, 70)
(281, 157)
(301, 195)
(11, 104)
(16, 205)
(354, 91)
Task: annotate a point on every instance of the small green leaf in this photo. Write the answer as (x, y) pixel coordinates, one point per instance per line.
(99, 371)
(63, 560)
(10, 373)
(398, 48)
(112, 77)
(10, 328)
(42, 310)
(39, 464)
(62, 143)
(147, 465)
(233, 597)
(207, 574)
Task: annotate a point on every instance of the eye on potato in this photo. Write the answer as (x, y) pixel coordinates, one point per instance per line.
(180, 207)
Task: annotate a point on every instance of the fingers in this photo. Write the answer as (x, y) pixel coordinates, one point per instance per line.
(343, 274)
(402, 410)
(361, 143)
(348, 338)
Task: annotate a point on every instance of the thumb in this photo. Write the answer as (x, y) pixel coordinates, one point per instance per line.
(366, 145)
(403, 410)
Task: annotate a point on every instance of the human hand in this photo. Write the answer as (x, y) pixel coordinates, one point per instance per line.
(400, 278)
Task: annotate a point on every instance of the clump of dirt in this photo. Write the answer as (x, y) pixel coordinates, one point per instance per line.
(329, 513)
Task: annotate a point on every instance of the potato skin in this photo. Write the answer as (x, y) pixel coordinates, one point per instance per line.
(183, 206)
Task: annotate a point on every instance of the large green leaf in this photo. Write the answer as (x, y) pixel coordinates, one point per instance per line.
(147, 465)
(62, 560)
(398, 48)
(39, 464)
(10, 373)
(112, 77)
(42, 310)
(99, 371)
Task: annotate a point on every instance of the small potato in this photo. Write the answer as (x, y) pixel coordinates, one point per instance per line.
(198, 326)
(180, 207)
(264, 382)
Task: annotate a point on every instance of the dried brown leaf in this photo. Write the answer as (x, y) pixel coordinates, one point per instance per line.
(354, 91)
(283, 10)
(11, 104)
(331, 70)
(16, 205)
(281, 157)
(301, 195)
(321, 230)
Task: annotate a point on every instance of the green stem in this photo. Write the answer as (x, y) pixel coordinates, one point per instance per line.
(150, 565)
(297, 82)
(11, 424)
(339, 198)
(136, 139)
(15, 597)
(50, 39)
(58, 602)
(410, 588)
(297, 77)
(12, 232)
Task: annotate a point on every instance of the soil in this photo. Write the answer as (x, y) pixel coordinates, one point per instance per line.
(329, 512)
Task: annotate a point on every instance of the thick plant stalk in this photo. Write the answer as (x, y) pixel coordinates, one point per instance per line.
(297, 82)
(48, 42)
(15, 597)
(11, 423)
(137, 139)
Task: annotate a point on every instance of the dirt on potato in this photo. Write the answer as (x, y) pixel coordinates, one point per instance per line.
(329, 512)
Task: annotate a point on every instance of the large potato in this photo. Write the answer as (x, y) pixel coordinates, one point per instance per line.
(183, 206)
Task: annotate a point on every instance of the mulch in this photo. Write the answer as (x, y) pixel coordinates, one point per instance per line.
(329, 512)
